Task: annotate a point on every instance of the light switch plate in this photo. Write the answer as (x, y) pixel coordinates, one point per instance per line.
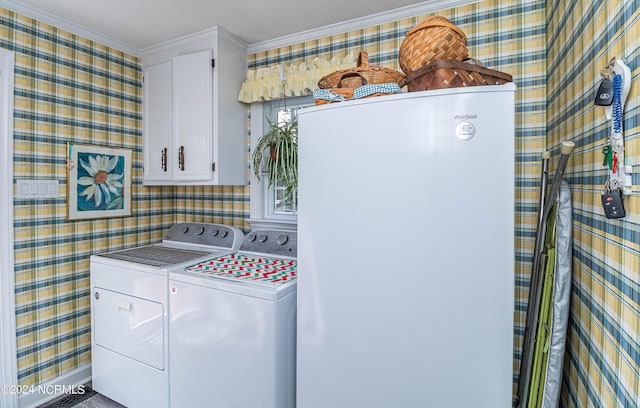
(37, 189)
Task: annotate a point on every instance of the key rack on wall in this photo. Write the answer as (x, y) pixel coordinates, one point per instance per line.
(612, 94)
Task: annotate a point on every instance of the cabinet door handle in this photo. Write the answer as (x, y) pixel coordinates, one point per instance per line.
(164, 159)
(181, 158)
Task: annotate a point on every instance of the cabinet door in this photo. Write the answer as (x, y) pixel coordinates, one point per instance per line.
(192, 115)
(157, 122)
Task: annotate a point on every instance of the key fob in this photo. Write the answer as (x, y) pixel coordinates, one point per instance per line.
(604, 96)
(613, 204)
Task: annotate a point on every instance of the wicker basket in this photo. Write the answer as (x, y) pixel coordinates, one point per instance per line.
(361, 75)
(453, 74)
(436, 38)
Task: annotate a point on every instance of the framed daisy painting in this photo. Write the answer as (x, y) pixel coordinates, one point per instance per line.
(99, 183)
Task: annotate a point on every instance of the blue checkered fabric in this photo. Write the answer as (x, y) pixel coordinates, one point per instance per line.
(327, 95)
(370, 89)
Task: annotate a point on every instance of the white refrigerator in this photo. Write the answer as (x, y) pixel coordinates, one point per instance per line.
(406, 251)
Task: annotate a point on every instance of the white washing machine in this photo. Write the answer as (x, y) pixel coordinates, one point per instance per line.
(129, 313)
(232, 326)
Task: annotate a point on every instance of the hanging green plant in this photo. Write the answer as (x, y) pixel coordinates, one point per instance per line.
(276, 153)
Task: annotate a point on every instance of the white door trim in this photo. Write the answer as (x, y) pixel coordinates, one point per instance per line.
(8, 359)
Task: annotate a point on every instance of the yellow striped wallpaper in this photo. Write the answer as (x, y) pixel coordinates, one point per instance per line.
(67, 89)
(72, 89)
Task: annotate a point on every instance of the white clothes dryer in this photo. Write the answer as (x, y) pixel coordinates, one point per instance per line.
(129, 313)
(232, 326)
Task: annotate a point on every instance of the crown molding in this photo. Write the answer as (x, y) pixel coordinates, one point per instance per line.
(67, 25)
(208, 34)
(358, 23)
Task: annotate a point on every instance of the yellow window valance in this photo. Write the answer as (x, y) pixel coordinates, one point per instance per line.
(289, 79)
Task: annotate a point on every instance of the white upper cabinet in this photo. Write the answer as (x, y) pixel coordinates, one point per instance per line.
(158, 125)
(192, 115)
(194, 128)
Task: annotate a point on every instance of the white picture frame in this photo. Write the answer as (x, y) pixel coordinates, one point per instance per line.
(99, 182)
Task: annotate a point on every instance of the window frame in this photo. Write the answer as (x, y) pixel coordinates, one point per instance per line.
(262, 205)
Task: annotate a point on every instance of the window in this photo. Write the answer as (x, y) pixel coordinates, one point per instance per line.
(275, 206)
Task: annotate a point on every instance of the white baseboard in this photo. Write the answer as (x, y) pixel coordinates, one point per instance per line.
(55, 388)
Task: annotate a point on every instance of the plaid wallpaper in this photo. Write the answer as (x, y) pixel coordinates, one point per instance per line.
(67, 89)
(72, 89)
(603, 356)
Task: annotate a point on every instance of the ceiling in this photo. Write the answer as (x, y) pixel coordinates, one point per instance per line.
(142, 23)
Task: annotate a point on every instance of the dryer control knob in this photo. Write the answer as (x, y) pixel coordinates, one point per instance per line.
(215, 232)
(223, 233)
(251, 237)
(185, 230)
(200, 231)
(282, 239)
(262, 238)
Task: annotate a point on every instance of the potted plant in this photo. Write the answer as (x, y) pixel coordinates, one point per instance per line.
(281, 160)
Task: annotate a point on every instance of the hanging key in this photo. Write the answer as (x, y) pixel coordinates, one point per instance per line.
(612, 203)
(614, 184)
(608, 156)
(604, 96)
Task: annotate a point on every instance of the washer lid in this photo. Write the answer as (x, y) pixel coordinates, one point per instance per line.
(254, 268)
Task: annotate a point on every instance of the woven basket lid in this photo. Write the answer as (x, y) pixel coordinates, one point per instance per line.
(435, 38)
(438, 21)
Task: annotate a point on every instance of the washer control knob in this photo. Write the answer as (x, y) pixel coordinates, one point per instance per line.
(282, 239)
(262, 238)
(185, 230)
(200, 231)
(215, 232)
(223, 233)
(252, 237)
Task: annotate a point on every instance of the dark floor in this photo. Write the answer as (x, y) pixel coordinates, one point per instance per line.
(90, 399)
